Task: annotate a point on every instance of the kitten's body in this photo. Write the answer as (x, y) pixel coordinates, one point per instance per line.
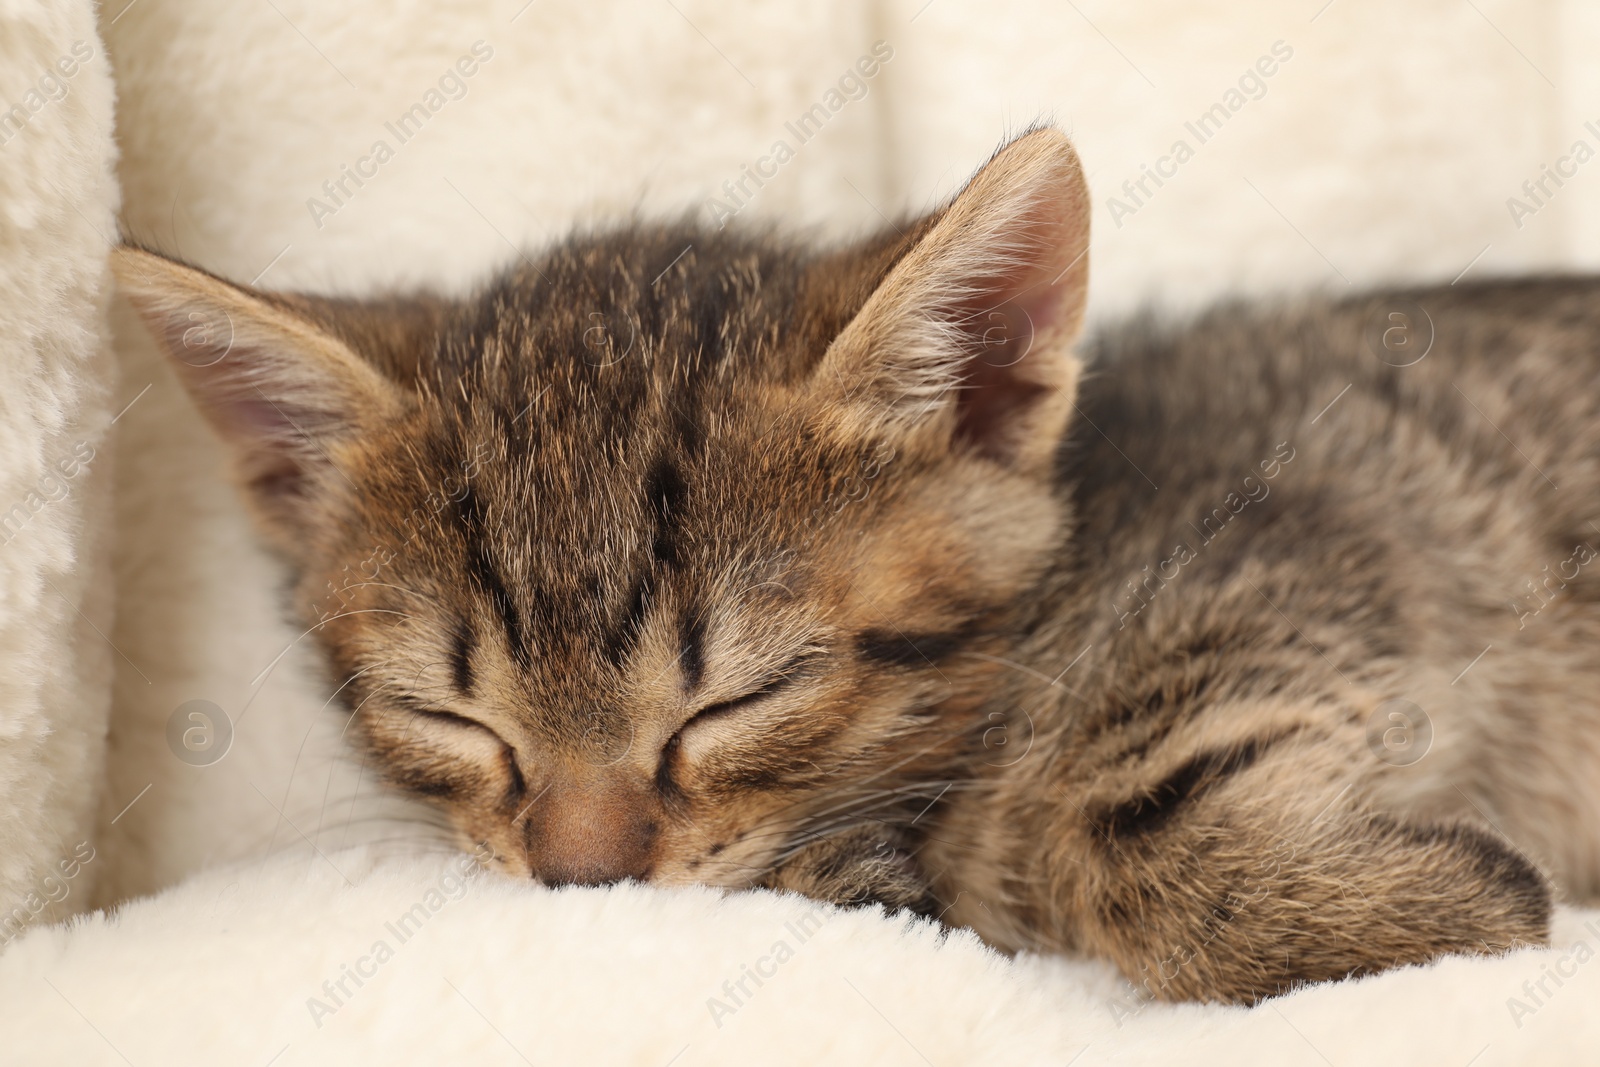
(1427, 539)
(707, 557)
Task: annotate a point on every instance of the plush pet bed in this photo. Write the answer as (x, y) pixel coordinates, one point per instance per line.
(246, 891)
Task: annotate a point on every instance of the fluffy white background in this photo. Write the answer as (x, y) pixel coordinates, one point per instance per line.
(1383, 150)
(57, 206)
(221, 969)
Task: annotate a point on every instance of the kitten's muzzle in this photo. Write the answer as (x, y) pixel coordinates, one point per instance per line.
(594, 834)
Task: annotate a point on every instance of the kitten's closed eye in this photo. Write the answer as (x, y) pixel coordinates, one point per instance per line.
(468, 739)
(725, 710)
(781, 679)
(455, 721)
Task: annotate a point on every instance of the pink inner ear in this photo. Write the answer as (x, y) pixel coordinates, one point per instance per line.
(1012, 323)
(274, 453)
(258, 421)
(997, 388)
(275, 456)
(1005, 374)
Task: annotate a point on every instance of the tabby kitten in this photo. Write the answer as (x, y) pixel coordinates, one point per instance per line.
(691, 556)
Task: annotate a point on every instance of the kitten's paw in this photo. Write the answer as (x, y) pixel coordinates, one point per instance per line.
(1490, 897)
(1377, 894)
(863, 866)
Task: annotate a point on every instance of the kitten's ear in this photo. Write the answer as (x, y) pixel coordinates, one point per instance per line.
(282, 391)
(968, 339)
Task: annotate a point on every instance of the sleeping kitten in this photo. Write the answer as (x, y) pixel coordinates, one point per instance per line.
(691, 556)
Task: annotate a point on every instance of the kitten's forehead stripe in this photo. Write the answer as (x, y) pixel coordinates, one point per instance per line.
(692, 663)
(892, 648)
(625, 635)
(621, 343)
(463, 640)
(580, 425)
(487, 579)
(665, 493)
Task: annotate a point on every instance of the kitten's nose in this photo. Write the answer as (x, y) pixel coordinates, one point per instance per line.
(593, 835)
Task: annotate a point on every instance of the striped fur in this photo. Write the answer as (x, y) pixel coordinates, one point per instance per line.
(714, 556)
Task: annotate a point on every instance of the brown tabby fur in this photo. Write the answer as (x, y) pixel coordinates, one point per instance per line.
(691, 556)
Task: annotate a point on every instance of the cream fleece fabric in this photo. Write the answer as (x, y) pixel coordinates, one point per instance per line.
(287, 964)
(1355, 143)
(57, 205)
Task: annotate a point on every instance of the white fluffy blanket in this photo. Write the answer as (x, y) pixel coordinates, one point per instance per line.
(1388, 142)
(289, 964)
(57, 202)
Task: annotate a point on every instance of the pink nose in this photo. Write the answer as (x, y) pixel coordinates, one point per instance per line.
(593, 836)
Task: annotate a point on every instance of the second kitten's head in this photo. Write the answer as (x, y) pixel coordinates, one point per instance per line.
(671, 549)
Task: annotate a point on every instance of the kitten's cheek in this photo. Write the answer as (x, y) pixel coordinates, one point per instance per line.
(704, 863)
(672, 874)
(496, 847)
(509, 863)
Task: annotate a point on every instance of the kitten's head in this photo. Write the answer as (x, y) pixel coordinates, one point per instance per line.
(671, 549)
